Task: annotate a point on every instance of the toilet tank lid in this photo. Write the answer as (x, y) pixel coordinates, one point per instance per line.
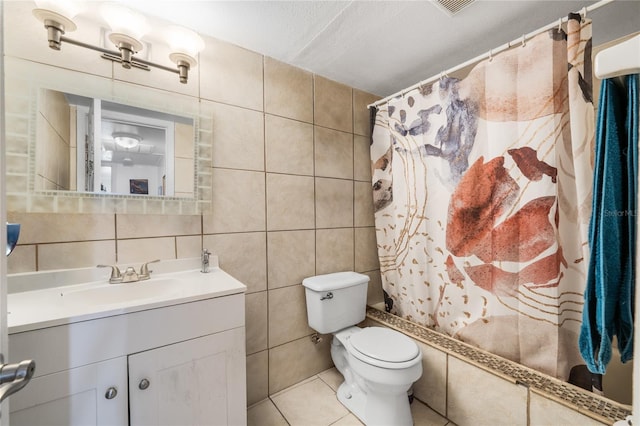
(334, 281)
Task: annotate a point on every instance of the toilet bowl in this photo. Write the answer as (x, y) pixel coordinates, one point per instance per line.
(379, 365)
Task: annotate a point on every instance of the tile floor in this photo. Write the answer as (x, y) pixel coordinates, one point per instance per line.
(313, 402)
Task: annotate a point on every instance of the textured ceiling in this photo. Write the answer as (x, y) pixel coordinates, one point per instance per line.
(380, 46)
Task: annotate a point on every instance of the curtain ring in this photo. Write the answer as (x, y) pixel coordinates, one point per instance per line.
(560, 25)
(490, 55)
(523, 41)
(584, 13)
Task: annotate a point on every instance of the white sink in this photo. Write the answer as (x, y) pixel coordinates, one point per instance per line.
(45, 299)
(107, 294)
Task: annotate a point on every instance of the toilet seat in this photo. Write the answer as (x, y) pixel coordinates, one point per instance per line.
(383, 347)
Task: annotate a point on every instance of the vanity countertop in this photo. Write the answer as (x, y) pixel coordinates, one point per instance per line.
(51, 298)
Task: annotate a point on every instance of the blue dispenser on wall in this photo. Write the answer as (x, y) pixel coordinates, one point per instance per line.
(13, 233)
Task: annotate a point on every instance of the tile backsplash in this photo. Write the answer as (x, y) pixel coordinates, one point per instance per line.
(291, 191)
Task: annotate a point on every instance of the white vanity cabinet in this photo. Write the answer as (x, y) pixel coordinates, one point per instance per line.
(188, 383)
(176, 364)
(74, 397)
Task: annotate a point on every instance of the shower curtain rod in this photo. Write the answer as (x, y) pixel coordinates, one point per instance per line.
(490, 53)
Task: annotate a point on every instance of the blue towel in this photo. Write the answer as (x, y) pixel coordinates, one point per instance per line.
(608, 297)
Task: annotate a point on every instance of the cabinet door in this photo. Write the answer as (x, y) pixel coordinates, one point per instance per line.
(196, 382)
(74, 397)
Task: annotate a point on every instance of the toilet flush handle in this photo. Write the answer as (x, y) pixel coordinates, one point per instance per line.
(329, 295)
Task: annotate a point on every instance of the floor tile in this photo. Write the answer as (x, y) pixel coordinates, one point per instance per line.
(348, 420)
(332, 377)
(423, 415)
(265, 414)
(311, 404)
(286, 390)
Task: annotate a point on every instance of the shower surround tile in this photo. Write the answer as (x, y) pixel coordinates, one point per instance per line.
(544, 411)
(431, 388)
(580, 402)
(475, 397)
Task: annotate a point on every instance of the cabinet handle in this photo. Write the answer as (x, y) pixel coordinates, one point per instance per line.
(111, 393)
(144, 383)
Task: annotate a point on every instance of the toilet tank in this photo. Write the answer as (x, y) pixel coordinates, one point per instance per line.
(336, 301)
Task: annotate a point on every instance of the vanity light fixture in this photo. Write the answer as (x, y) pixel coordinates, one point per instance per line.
(127, 28)
(126, 140)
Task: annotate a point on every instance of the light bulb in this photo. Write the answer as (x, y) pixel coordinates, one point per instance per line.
(184, 41)
(67, 8)
(123, 20)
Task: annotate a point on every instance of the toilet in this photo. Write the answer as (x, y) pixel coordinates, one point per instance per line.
(378, 364)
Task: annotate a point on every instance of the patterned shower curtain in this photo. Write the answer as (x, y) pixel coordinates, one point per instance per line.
(482, 195)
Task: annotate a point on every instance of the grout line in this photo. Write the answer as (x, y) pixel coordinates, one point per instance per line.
(115, 233)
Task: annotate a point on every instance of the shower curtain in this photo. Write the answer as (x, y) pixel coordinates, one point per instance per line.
(482, 196)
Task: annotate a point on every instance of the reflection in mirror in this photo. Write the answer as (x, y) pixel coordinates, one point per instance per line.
(93, 145)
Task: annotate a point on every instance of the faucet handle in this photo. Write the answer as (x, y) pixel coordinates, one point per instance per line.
(116, 276)
(205, 260)
(144, 269)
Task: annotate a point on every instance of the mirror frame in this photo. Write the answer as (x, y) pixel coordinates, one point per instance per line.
(24, 81)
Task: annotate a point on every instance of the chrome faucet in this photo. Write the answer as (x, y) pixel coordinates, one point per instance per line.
(130, 275)
(205, 261)
(145, 273)
(116, 276)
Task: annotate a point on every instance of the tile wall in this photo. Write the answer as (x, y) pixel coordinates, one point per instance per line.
(291, 191)
(469, 386)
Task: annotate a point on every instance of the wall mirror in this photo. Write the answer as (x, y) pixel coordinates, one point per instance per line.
(98, 146)
(84, 143)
